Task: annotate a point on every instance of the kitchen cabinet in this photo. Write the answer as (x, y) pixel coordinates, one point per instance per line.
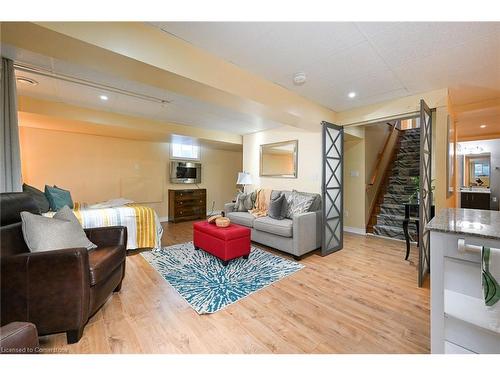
(460, 320)
(477, 200)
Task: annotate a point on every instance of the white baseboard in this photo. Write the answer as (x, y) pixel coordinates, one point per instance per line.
(355, 230)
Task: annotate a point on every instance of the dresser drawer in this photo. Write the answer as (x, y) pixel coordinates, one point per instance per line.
(190, 194)
(188, 211)
(198, 202)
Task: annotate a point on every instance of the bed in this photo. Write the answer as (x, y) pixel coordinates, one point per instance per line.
(144, 229)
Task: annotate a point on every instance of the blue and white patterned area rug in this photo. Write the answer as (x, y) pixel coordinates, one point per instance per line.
(208, 286)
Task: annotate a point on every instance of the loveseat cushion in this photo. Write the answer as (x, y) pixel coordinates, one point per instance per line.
(103, 261)
(241, 218)
(282, 228)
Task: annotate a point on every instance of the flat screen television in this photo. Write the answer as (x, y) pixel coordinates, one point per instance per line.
(185, 172)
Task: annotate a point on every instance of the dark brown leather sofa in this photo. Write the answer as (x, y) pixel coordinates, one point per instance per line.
(19, 338)
(58, 290)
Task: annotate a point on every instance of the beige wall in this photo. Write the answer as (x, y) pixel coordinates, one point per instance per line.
(440, 158)
(309, 159)
(354, 184)
(96, 168)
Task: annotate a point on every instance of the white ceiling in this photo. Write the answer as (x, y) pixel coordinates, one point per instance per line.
(378, 60)
(181, 109)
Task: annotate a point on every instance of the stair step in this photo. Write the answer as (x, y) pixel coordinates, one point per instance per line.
(395, 221)
(409, 143)
(412, 155)
(410, 172)
(392, 232)
(406, 163)
(392, 209)
(404, 193)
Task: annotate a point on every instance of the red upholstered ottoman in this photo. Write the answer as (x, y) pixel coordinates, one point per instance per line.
(224, 243)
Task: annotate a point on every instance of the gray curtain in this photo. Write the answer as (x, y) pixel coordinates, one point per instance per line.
(10, 177)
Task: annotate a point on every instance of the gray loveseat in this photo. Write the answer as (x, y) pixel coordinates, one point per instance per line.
(296, 236)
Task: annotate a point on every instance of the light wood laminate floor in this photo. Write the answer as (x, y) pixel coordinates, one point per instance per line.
(362, 299)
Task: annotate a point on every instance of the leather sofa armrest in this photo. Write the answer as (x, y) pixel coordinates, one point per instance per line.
(306, 232)
(49, 288)
(228, 207)
(18, 338)
(108, 236)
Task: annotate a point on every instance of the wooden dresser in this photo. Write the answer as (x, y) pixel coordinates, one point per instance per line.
(187, 204)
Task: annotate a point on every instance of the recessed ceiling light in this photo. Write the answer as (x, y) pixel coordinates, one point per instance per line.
(482, 126)
(26, 81)
(299, 78)
(352, 94)
(103, 97)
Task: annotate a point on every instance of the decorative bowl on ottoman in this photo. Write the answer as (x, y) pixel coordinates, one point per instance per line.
(222, 222)
(225, 243)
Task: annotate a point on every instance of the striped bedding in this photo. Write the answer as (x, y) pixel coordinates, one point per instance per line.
(143, 226)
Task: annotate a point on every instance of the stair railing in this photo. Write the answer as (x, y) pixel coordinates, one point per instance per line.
(380, 156)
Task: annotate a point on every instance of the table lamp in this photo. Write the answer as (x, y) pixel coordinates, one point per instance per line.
(244, 178)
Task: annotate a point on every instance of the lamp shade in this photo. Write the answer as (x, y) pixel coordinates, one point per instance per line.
(244, 178)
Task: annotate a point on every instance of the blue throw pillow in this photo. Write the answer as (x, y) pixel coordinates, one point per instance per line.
(58, 198)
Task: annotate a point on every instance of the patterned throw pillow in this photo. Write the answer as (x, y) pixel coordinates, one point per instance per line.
(245, 201)
(298, 203)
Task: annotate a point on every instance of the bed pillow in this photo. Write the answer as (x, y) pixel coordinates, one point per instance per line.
(63, 231)
(38, 196)
(58, 198)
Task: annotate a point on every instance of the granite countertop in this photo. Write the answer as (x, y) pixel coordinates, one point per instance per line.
(481, 223)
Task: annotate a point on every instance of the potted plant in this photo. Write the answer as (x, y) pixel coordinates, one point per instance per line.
(415, 197)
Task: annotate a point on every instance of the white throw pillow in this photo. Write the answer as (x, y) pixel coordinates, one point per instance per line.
(63, 231)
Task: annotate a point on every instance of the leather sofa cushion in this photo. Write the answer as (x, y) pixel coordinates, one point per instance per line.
(282, 228)
(103, 261)
(19, 338)
(241, 218)
(12, 204)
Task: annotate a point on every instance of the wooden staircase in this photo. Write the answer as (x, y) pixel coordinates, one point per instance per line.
(397, 187)
(382, 189)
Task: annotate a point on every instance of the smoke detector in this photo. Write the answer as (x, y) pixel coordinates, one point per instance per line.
(299, 78)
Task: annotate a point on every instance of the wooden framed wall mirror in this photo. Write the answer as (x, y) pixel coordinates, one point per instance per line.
(279, 159)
